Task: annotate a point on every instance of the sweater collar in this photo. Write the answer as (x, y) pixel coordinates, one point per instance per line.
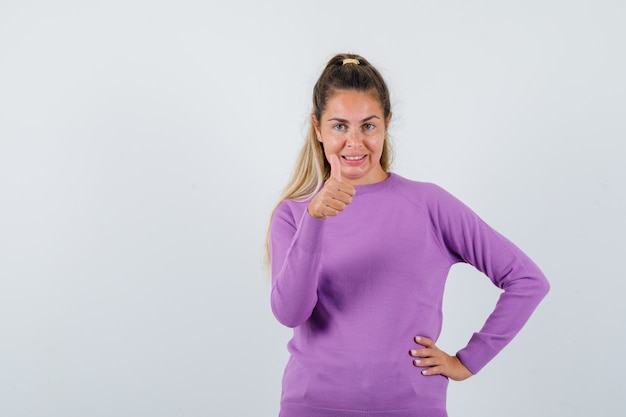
(371, 188)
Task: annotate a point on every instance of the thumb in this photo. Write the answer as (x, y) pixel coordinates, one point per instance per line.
(335, 167)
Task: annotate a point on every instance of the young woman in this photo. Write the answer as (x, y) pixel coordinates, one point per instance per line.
(359, 257)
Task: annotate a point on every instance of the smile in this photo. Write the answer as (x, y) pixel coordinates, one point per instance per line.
(354, 157)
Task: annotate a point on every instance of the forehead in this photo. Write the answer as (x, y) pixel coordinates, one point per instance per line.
(353, 103)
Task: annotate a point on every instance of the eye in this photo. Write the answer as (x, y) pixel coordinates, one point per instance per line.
(369, 126)
(339, 126)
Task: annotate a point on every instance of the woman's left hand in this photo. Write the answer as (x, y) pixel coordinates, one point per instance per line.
(438, 362)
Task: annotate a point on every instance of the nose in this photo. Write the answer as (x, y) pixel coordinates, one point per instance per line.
(354, 139)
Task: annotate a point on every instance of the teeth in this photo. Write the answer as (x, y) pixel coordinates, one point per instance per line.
(354, 158)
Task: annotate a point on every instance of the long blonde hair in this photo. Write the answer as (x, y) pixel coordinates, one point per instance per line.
(342, 72)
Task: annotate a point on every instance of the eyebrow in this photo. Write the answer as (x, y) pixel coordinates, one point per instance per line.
(340, 120)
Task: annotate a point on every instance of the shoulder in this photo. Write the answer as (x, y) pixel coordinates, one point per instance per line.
(421, 193)
(432, 200)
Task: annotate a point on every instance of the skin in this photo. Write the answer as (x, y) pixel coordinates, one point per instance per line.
(353, 129)
(351, 126)
(438, 362)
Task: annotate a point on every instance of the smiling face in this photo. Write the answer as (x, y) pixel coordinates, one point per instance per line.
(353, 127)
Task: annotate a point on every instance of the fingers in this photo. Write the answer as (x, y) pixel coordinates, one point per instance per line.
(434, 370)
(426, 357)
(334, 206)
(437, 362)
(433, 361)
(424, 341)
(332, 200)
(335, 182)
(335, 167)
(334, 196)
(340, 191)
(429, 355)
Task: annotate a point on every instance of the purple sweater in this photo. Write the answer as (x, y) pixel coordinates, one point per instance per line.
(358, 287)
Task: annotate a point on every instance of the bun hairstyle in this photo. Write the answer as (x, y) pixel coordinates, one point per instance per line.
(349, 72)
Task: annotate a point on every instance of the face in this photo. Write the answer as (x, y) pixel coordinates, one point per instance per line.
(353, 127)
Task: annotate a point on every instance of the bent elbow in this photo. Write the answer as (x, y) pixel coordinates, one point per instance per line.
(538, 287)
(544, 286)
(289, 318)
(292, 308)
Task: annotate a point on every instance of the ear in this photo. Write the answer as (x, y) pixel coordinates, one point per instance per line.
(316, 127)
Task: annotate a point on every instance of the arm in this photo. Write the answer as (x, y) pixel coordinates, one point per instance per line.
(468, 239)
(295, 261)
(296, 245)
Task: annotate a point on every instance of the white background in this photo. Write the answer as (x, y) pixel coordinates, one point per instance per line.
(143, 145)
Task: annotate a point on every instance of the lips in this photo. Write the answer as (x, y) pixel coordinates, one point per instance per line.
(353, 157)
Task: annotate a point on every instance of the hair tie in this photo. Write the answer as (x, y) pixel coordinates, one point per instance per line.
(351, 61)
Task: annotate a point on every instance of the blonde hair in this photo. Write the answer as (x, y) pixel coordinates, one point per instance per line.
(342, 72)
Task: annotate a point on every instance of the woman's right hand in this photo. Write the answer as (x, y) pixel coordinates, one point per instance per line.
(334, 196)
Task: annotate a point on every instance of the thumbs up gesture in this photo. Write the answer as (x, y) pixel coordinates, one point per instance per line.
(334, 196)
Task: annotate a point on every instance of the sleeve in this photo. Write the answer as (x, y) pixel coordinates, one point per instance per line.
(295, 252)
(468, 239)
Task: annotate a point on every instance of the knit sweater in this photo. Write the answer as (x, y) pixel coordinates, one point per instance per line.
(356, 289)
